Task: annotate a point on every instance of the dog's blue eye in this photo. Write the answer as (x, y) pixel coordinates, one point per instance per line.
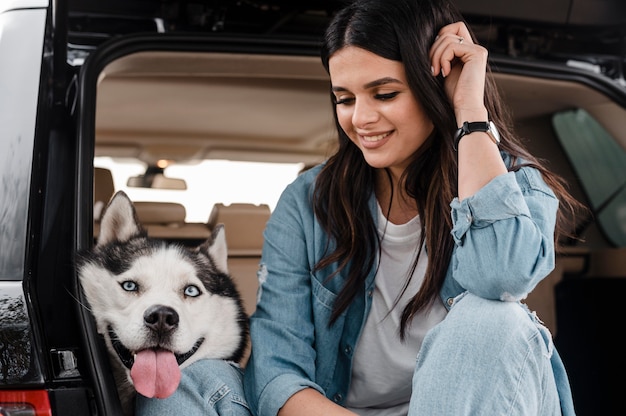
(192, 291)
(130, 286)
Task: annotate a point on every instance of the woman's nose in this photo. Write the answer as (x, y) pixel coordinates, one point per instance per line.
(364, 114)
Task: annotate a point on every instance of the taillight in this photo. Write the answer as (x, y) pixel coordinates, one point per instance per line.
(24, 403)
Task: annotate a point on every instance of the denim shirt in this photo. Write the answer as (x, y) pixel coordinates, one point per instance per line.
(508, 225)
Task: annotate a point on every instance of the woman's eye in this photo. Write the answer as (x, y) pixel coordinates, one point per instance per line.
(344, 100)
(192, 291)
(130, 286)
(387, 96)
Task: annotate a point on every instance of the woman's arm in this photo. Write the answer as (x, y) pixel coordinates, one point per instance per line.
(463, 64)
(503, 224)
(504, 236)
(286, 346)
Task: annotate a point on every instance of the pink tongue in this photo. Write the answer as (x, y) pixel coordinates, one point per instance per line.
(155, 373)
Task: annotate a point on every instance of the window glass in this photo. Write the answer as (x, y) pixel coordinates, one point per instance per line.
(600, 164)
(208, 182)
(21, 40)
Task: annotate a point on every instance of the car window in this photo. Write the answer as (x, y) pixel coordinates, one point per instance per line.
(600, 164)
(208, 182)
(21, 40)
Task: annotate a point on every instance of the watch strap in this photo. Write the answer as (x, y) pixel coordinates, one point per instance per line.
(474, 126)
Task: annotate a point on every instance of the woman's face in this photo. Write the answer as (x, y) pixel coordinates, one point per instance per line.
(376, 108)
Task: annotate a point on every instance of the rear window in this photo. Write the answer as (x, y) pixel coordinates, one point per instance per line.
(600, 164)
(208, 182)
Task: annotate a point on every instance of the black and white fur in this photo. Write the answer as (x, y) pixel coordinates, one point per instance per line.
(146, 293)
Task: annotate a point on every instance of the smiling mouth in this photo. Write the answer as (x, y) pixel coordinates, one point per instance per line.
(127, 357)
(375, 138)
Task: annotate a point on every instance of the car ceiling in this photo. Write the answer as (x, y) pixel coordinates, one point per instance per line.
(186, 107)
(190, 106)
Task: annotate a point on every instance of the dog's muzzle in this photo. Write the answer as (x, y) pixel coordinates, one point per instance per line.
(127, 357)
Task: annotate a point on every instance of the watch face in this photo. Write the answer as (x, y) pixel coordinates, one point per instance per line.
(493, 132)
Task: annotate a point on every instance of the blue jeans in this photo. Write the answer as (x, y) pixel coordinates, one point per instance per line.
(485, 358)
(207, 388)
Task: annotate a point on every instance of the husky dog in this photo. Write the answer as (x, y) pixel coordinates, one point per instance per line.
(158, 305)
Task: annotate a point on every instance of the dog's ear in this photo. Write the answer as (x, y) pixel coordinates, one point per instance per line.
(119, 220)
(216, 248)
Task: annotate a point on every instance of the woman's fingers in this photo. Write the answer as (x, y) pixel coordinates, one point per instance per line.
(453, 41)
(463, 63)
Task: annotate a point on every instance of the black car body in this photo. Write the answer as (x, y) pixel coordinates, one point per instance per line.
(555, 62)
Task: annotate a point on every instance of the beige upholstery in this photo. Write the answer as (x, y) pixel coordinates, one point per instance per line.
(103, 189)
(160, 219)
(244, 225)
(542, 300)
(164, 213)
(610, 262)
(167, 220)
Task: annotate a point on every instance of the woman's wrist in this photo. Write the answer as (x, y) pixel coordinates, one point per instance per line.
(471, 115)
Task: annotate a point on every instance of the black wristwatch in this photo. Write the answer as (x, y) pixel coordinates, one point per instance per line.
(485, 126)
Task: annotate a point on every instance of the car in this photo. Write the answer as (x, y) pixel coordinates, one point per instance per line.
(180, 103)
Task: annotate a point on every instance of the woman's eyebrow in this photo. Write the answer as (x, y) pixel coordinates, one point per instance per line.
(382, 81)
(372, 84)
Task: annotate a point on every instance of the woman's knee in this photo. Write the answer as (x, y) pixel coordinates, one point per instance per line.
(484, 355)
(207, 387)
(477, 327)
(472, 316)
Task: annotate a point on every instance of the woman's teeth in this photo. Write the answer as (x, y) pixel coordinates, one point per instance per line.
(375, 138)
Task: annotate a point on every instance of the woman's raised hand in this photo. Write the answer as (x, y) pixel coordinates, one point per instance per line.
(463, 63)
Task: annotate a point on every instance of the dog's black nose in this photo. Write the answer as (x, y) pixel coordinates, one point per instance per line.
(161, 318)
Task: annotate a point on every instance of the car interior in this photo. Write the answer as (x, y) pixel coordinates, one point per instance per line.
(203, 111)
(185, 107)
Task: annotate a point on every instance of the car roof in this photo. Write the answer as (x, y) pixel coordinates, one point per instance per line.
(586, 30)
(553, 12)
(311, 16)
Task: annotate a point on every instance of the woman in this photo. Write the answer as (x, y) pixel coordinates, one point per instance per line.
(391, 274)
(363, 264)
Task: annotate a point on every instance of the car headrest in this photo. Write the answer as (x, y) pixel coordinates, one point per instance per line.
(103, 189)
(160, 213)
(244, 225)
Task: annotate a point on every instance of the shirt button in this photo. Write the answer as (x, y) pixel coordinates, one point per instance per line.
(450, 301)
(469, 217)
(338, 397)
(348, 350)
(370, 293)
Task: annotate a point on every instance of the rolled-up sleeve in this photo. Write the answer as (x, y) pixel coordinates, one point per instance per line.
(504, 236)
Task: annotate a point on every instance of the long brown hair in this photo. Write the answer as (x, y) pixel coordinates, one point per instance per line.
(404, 30)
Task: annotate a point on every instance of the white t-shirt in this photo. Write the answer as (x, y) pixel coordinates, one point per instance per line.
(383, 364)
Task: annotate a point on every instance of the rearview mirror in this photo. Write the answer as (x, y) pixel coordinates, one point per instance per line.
(156, 181)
